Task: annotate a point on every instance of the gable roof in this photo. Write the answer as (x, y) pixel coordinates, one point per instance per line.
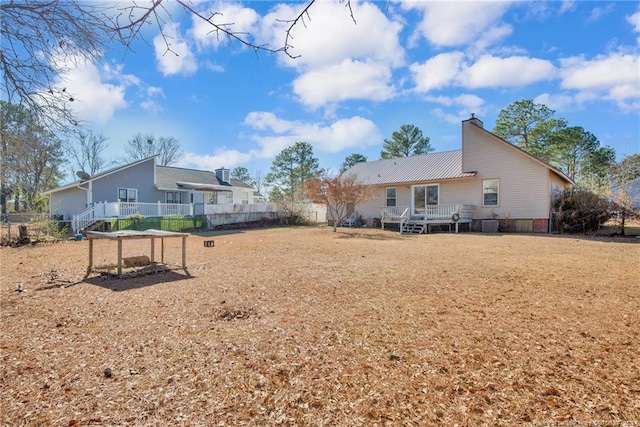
(168, 178)
(478, 124)
(100, 175)
(174, 178)
(418, 168)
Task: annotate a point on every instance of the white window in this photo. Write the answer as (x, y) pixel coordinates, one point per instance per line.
(173, 197)
(128, 195)
(490, 192)
(229, 200)
(423, 196)
(391, 196)
(245, 197)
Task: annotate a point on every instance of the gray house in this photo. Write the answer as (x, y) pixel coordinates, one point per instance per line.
(142, 187)
(489, 184)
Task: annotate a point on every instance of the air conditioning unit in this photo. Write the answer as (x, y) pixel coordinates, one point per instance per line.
(490, 226)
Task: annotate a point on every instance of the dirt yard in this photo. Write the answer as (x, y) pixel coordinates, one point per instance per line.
(305, 327)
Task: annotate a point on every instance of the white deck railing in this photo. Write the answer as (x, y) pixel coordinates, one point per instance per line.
(445, 213)
(432, 214)
(394, 214)
(122, 209)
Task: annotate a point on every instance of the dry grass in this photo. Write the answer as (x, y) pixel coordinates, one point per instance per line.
(308, 327)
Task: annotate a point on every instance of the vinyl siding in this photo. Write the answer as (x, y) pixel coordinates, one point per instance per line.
(139, 177)
(68, 202)
(457, 191)
(524, 182)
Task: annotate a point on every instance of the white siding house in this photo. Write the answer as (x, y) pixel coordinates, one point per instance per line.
(488, 179)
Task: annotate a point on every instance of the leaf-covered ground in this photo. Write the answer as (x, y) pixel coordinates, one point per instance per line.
(302, 326)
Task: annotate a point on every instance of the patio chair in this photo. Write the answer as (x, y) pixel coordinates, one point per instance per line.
(350, 221)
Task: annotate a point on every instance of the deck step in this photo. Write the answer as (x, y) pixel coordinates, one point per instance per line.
(413, 228)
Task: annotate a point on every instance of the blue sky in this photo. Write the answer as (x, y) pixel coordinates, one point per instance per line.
(430, 64)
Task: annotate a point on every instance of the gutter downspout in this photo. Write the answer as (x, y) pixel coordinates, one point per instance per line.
(89, 193)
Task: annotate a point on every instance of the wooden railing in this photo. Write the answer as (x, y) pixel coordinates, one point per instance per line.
(394, 214)
(443, 214)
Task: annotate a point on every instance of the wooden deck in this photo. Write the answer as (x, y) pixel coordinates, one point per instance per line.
(438, 215)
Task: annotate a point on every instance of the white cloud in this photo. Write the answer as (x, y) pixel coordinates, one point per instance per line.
(221, 158)
(567, 6)
(337, 59)
(464, 105)
(150, 94)
(173, 53)
(467, 101)
(328, 35)
(216, 68)
(275, 134)
(614, 77)
(232, 17)
(457, 24)
(262, 120)
(558, 102)
(489, 37)
(599, 12)
(348, 80)
(437, 72)
(491, 71)
(97, 92)
(449, 69)
(634, 20)
(453, 118)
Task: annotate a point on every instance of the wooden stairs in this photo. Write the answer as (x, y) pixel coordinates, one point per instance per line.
(413, 228)
(99, 225)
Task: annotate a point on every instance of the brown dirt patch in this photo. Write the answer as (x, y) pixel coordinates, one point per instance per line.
(302, 326)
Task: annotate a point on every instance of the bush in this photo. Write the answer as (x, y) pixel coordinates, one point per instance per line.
(177, 223)
(580, 211)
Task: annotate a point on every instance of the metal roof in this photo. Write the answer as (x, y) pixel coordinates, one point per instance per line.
(419, 168)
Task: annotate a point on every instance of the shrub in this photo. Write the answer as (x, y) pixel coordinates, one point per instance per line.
(580, 211)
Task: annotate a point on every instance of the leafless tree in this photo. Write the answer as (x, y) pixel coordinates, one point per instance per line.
(132, 18)
(341, 194)
(166, 148)
(87, 152)
(257, 179)
(41, 40)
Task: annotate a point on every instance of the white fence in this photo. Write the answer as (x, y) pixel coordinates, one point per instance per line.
(216, 214)
(238, 213)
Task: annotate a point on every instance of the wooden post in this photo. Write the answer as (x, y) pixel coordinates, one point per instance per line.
(119, 257)
(24, 235)
(90, 255)
(184, 252)
(153, 250)
(162, 250)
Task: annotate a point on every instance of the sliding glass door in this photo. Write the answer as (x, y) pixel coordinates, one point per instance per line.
(423, 196)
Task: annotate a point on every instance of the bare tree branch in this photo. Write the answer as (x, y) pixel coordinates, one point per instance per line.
(41, 40)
